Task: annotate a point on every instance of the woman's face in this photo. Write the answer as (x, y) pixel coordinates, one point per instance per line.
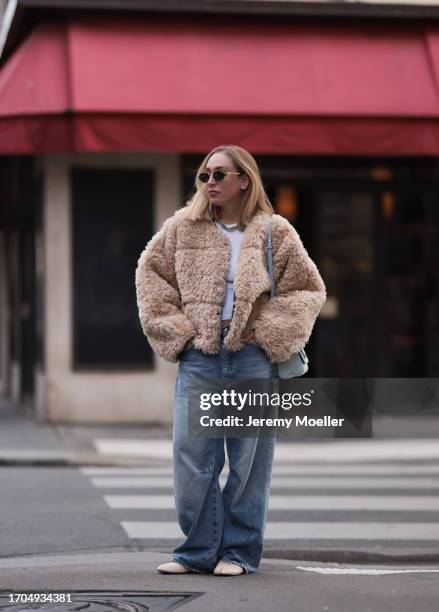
(228, 191)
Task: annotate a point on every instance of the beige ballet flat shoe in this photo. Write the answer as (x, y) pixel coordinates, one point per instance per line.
(172, 568)
(224, 568)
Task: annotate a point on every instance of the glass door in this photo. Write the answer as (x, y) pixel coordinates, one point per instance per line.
(410, 281)
(349, 338)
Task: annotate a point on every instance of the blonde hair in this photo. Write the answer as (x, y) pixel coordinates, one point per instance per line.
(253, 198)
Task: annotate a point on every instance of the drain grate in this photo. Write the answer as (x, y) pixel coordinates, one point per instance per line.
(97, 601)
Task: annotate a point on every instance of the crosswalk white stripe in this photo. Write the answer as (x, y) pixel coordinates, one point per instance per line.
(293, 502)
(303, 531)
(324, 469)
(285, 481)
(126, 471)
(367, 450)
(148, 502)
(134, 447)
(365, 571)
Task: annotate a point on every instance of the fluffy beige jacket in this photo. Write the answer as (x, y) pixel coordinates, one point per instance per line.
(181, 284)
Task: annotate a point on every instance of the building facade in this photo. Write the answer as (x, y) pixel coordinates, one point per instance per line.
(104, 118)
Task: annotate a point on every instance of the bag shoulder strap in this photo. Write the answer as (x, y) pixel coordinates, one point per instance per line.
(269, 248)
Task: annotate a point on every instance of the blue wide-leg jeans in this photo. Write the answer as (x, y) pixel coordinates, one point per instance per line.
(227, 524)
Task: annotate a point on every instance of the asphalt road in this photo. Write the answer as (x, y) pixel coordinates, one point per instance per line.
(97, 529)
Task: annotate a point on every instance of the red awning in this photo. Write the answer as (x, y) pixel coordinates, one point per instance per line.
(182, 86)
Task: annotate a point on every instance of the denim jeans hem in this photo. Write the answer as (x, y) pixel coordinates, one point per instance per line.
(190, 567)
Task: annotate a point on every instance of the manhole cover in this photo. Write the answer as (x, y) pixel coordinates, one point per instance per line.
(93, 601)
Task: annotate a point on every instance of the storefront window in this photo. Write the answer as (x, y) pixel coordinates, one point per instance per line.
(112, 220)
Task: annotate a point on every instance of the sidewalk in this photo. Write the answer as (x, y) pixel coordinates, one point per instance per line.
(133, 577)
(25, 441)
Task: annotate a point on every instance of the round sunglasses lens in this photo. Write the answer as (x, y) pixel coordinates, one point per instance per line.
(203, 177)
(218, 175)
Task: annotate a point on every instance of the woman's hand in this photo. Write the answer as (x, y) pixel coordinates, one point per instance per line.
(247, 338)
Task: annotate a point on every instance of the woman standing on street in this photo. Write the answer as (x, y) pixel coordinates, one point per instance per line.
(203, 293)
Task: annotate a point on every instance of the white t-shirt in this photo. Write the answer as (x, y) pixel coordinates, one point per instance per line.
(235, 239)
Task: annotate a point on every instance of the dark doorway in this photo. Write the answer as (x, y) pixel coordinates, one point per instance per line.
(112, 222)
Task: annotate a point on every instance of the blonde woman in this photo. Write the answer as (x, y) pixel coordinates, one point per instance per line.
(203, 293)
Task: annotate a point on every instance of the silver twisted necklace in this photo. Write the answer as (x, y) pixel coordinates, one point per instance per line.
(228, 229)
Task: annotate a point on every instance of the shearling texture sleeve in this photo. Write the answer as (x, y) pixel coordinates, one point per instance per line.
(158, 297)
(285, 322)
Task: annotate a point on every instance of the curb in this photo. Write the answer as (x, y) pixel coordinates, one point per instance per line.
(350, 556)
(81, 460)
(122, 556)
